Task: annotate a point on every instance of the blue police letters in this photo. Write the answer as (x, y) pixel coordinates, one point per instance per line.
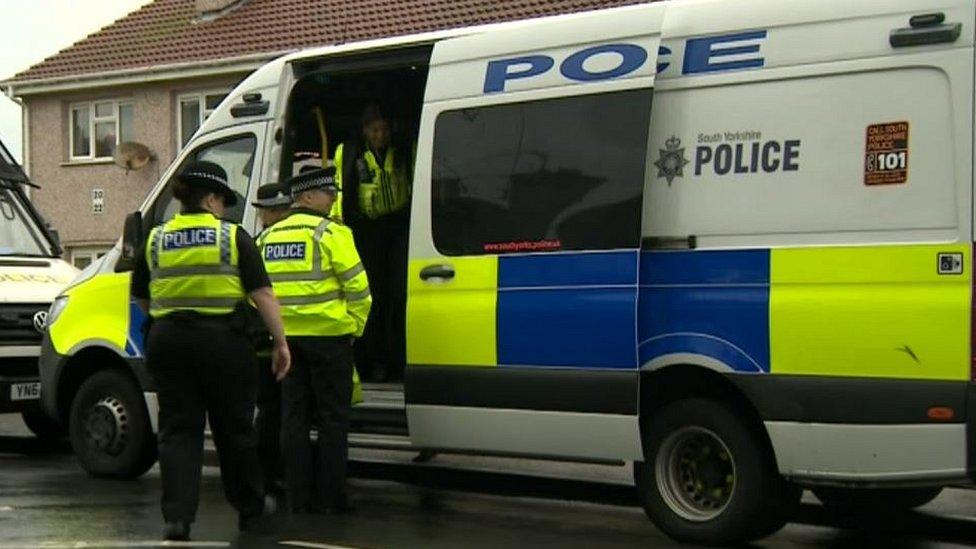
(284, 251)
(189, 238)
(701, 56)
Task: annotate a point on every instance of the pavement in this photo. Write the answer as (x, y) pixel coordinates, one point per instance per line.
(47, 501)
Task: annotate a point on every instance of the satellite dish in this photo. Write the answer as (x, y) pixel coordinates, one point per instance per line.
(132, 156)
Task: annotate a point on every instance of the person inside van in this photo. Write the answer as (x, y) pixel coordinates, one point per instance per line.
(374, 174)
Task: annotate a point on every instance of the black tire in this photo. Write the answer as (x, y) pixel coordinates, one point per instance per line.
(109, 427)
(875, 501)
(752, 503)
(42, 425)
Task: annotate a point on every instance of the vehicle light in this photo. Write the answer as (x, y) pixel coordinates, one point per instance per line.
(941, 413)
(56, 309)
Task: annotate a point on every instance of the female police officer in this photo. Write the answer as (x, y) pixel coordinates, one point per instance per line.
(194, 273)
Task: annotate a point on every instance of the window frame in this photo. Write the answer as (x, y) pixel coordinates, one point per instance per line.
(93, 254)
(429, 132)
(115, 117)
(201, 98)
(149, 208)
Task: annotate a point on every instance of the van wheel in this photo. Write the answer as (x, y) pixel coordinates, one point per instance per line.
(109, 427)
(709, 476)
(875, 501)
(42, 425)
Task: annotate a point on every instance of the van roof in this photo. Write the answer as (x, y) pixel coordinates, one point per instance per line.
(435, 36)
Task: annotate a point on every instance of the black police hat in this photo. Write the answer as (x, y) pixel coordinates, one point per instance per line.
(209, 176)
(319, 178)
(272, 195)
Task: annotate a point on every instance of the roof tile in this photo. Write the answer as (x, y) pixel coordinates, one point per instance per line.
(168, 31)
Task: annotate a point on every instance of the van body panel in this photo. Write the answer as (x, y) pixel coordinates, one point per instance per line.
(812, 182)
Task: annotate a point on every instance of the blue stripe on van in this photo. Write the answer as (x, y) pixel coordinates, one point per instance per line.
(714, 304)
(568, 309)
(567, 269)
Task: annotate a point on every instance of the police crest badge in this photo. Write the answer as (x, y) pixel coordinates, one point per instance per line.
(672, 161)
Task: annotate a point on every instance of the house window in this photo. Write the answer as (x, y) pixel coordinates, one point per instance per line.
(194, 108)
(98, 127)
(83, 257)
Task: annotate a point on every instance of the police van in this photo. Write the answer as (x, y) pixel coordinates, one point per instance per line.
(729, 242)
(32, 274)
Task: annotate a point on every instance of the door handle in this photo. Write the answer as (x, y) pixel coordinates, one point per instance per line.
(437, 271)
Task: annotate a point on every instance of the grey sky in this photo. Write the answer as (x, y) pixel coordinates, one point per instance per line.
(32, 30)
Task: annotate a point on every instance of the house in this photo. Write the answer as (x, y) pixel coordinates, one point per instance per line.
(153, 76)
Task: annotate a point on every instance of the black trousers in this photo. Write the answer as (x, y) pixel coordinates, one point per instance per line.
(382, 244)
(268, 421)
(319, 386)
(203, 368)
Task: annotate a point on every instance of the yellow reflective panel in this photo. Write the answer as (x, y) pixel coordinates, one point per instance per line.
(97, 310)
(453, 322)
(880, 311)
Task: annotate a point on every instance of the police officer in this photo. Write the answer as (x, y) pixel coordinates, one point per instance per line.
(325, 298)
(272, 205)
(193, 275)
(375, 179)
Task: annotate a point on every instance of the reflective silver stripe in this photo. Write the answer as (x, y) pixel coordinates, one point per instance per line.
(200, 302)
(356, 296)
(154, 246)
(310, 299)
(351, 273)
(193, 270)
(304, 276)
(225, 255)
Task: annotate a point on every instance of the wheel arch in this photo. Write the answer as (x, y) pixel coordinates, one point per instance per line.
(663, 386)
(82, 365)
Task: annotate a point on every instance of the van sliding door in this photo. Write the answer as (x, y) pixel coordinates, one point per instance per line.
(525, 237)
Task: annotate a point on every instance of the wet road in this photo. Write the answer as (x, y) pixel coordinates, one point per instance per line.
(47, 501)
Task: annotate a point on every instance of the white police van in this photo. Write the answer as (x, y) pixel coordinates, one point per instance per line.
(31, 276)
(729, 241)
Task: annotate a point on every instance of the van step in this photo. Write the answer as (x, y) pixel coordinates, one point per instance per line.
(382, 412)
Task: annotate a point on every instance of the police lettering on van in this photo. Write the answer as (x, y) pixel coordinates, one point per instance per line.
(702, 55)
(725, 153)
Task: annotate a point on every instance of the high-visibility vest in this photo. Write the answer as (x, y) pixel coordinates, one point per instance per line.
(193, 265)
(385, 190)
(317, 275)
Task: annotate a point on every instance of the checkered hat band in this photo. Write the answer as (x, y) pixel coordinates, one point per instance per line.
(316, 183)
(204, 175)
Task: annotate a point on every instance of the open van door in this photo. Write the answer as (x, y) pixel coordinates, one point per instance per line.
(525, 237)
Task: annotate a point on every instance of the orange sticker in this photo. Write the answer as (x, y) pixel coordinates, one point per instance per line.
(886, 154)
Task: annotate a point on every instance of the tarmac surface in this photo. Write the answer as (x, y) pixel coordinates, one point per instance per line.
(47, 501)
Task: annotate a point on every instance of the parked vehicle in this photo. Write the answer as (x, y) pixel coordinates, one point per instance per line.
(32, 274)
(730, 242)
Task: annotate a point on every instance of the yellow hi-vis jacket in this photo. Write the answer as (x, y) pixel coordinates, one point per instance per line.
(387, 190)
(193, 266)
(317, 276)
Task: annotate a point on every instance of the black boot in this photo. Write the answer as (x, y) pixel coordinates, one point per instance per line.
(176, 531)
(245, 521)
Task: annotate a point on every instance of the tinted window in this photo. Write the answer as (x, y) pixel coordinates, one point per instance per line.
(559, 174)
(235, 156)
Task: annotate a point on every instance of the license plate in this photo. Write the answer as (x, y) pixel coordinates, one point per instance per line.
(25, 391)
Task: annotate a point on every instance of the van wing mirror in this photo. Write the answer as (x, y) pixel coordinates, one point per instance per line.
(132, 237)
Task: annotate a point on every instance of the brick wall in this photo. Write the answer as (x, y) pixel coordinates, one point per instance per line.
(65, 196)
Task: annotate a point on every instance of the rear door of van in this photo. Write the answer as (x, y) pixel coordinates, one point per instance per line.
(525, 237)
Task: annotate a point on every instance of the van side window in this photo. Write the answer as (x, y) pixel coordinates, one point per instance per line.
(235, 156)
(556, 174)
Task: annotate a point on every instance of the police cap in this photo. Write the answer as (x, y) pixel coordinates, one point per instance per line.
(319, 178)
(272, 195)
(210, 176)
